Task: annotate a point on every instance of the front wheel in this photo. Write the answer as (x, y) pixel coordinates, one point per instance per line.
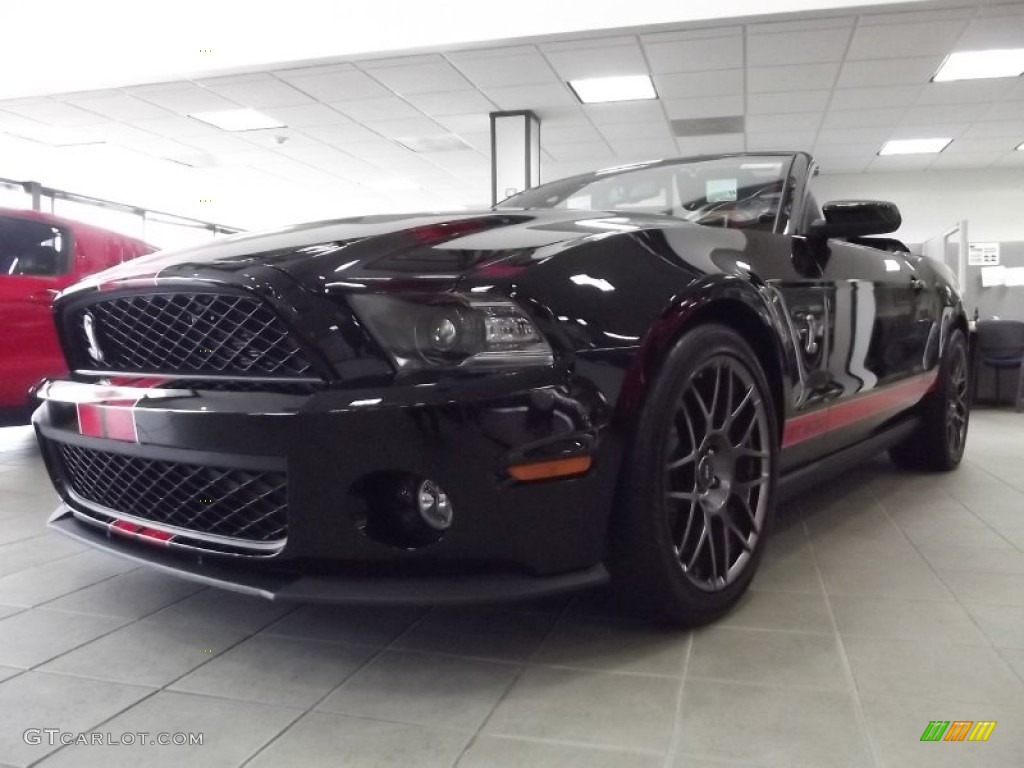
(938, 443)
(698, 494)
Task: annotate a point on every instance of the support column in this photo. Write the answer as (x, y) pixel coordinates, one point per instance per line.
(515, 153)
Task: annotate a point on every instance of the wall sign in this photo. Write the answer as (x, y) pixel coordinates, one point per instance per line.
(983, 255)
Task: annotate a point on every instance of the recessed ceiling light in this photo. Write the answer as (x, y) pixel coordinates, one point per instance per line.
(1020, 147)
(443, 143)
(238, 119)
(599, 90)
(914, 146)
(974, 65)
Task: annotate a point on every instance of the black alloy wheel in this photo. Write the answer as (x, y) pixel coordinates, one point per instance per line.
(699, 489)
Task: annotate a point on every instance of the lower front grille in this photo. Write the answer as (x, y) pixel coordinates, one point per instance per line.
(242, 504)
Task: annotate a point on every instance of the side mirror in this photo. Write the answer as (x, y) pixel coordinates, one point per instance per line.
(856, 218)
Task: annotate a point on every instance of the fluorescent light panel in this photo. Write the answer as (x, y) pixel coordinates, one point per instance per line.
(600, 90)
(238, 119)
(1020, 147)
(975, 65)
(914, 146)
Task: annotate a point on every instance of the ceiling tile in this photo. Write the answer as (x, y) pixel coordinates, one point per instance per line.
(965, 160)
(795, 101)
(996, 129)
(306, 114)
(913, 17)
(386, 108)
(929, 131)
(182, 98)
(625, 112)
(599, 42)
(176, 127)
(451, 102)
(1005, 31)
(568, 134)
(996, 145)
(791, 77)
(874, 136)
(797, 47)
(598, 62)
(932, 113)
(966, 92)
(711, 106)
(802, 25)
(785, 123)
(876, 98)
(699, 55)
(796, 140)
(468, 123)
(219, 143)
(118, 106)
(900, 163)
(710, 145)
(256, 91)
(339, 85)
(682, 85)
(895, 41)
(845, 151)
(55, 113)
(531, 96)
(1005, 110)
(881, 72)
(583, 150)
(273, 138)
(417, 126)
(690, 34)
(341, 135)
(635, 131)
(421, 78)
(644, 149)
(863, 118)
(523, 69)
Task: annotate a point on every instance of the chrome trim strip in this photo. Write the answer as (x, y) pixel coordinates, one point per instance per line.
(202, 377)
(76, 392)
(227, 541)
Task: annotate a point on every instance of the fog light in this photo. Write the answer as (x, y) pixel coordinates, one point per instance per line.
(433, 505)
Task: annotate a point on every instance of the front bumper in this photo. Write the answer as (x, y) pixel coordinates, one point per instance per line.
(508, 539)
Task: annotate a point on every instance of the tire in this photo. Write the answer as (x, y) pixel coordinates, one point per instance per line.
(938, 444)
(698, 493)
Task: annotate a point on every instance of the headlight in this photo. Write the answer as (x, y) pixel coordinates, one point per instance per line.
(452, 331)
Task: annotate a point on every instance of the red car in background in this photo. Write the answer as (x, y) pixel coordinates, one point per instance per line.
(41, 255)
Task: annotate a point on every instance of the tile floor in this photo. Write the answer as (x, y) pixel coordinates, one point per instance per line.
(885, 600)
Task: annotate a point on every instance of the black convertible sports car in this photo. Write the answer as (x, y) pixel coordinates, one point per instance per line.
(620, 373)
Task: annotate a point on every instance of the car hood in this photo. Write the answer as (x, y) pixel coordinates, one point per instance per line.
(436, 247)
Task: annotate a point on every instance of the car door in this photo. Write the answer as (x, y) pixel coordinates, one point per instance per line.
(30, 277)
(880, 319)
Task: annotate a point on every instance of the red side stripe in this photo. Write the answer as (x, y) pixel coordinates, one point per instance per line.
(871, 404)
(90, 420)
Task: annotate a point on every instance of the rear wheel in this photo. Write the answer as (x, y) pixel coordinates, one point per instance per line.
(938, 444)
(699, 491)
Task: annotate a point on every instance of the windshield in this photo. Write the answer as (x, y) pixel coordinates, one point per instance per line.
(737, 191)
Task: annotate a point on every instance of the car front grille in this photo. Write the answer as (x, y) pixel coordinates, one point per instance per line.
(236, 503)
(187, 333)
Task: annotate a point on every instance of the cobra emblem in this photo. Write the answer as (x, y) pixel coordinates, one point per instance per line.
(89, 327)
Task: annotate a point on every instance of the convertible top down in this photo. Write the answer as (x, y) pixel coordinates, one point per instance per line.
(617, 374)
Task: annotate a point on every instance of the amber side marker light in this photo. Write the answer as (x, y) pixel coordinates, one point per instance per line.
(543, 470)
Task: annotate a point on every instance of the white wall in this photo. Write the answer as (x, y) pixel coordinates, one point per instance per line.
(933, 201)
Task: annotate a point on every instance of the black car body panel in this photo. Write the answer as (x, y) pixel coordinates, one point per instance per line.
(849, 337)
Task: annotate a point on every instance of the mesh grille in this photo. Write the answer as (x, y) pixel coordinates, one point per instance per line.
(238, 503)
(190, 333)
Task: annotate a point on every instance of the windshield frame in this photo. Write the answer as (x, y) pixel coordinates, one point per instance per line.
(782, 216)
